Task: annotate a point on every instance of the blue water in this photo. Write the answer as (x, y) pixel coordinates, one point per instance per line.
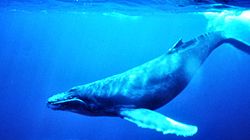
(44, 51)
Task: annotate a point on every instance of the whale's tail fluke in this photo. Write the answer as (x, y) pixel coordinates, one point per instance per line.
(237, 44)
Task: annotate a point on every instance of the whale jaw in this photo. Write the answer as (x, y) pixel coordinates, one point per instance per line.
(65, 101)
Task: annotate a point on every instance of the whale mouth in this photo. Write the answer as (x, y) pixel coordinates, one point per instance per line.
(63, 101)
(63, 104)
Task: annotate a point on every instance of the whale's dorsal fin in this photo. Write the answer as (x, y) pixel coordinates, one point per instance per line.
(176, 46)
(146, 118)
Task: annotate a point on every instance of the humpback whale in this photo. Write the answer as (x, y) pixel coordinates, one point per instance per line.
(134, 94)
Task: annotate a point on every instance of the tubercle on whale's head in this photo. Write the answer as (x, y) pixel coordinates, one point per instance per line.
(70, 100)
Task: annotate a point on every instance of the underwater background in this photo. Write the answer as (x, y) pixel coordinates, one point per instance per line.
(48, 49)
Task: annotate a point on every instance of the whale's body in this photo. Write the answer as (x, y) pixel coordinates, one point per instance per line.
(133, 94)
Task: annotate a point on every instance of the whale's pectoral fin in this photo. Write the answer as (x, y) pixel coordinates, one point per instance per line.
(153, 120)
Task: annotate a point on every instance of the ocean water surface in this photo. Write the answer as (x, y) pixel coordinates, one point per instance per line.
(46, 48)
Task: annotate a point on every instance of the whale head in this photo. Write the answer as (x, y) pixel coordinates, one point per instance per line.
(70, 100)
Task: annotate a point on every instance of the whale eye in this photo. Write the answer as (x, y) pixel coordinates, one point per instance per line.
(73, 90)
(70, 97)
